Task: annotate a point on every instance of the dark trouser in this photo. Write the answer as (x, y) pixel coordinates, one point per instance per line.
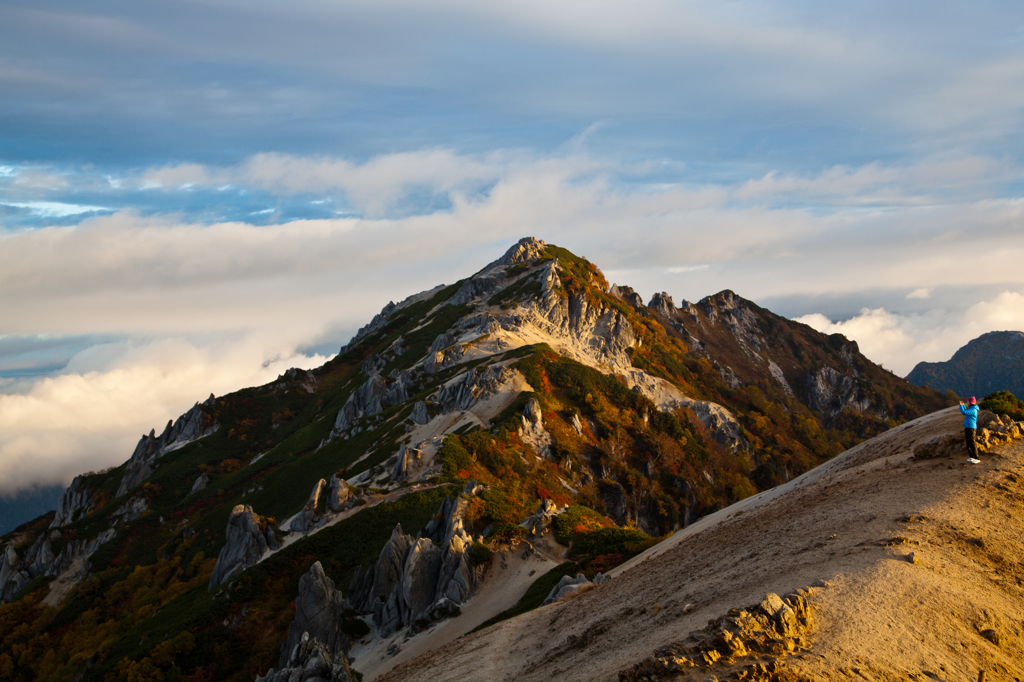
(972, 446)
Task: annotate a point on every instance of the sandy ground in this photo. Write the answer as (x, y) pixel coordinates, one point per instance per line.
(510, 575)
(881, 616)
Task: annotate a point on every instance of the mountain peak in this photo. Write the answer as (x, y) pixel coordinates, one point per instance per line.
(528, 402)
(526, 249)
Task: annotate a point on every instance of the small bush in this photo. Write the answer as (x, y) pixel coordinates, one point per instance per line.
(453, 457)
(505, 532)
(576, 519)
(230, 465)
(501, 508)
(479, 554)
(1004, 402)
(355, 627)
(625, 541)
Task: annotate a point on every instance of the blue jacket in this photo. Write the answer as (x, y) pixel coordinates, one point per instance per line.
(971, 420)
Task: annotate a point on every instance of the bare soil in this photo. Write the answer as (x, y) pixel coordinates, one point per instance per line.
(852, 524)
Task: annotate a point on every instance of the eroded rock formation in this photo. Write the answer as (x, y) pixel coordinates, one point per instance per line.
(308, 519)
(312, 662)
(569, 586)
(318, 613)
(540, 520)
(187, 428)
(532, 431)
(418, 580)
(338, 495)
(247, 539)
(370, 398)
(464, 391)
(74, 503)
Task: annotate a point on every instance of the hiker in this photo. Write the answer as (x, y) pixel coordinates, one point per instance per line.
(970, 412)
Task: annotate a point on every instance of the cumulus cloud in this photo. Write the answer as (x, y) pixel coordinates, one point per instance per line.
(91, 415)
(899, 342)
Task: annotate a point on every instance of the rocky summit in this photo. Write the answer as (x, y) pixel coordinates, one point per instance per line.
(510, 442)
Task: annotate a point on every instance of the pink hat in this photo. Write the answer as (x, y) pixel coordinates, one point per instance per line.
(972, 400)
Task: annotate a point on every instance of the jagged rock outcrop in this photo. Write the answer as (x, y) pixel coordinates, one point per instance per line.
(200, 483)
(478, 287)
(602, 335)
(532, 431)
(525, 250)
(187, 428)
(473, 385)
(419, 581)
(132, 508)
(569, 586)
(247, 539)
(774, 628)
(662, 304)
(338, 494)
(495, 276)
(443, 359)
(75, 503)
(830, 392)
(627, 295)
(540, 520)
(312, 662)
(378, 321)
(318, 613)
(401, 468)
(13, 577)
(369, 589)
(307, 519)
(17, 571)
(420, 415)
(370, 398)
(722, 423)
(305, 379)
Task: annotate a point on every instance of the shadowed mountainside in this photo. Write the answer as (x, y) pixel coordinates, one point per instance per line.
(992, 362)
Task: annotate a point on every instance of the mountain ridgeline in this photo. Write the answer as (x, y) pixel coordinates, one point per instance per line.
(286, 530)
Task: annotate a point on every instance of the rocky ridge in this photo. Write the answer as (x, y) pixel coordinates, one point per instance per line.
(178, 433)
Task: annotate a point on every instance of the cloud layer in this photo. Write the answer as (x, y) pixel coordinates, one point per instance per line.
(91, 415)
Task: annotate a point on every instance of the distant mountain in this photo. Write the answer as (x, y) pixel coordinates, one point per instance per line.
(27, 505)
(992, 362)
(471, 445)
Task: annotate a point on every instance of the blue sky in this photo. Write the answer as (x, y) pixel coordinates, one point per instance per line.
(195, 196)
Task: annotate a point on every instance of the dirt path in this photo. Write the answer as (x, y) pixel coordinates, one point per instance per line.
(851, 523)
